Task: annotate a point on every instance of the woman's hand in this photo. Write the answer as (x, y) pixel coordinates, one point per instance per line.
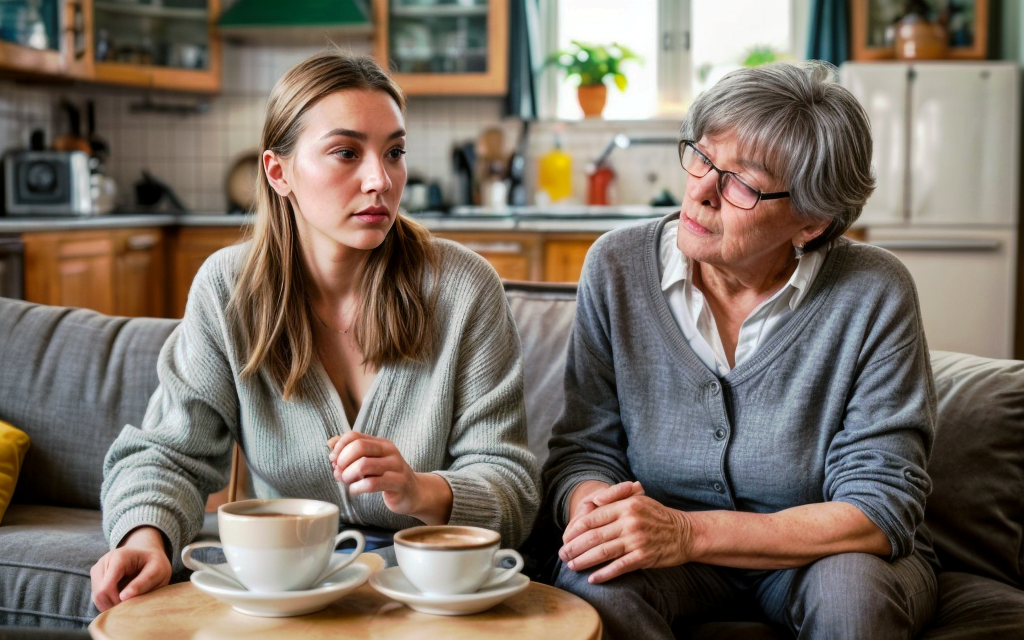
(140, 561)
(368, 464)
(621, 526)
(592, 494)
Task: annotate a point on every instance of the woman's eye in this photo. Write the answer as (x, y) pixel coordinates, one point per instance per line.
(396, 153)
(345, 154)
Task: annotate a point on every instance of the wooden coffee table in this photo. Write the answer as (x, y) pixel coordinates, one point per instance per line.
(181, 611)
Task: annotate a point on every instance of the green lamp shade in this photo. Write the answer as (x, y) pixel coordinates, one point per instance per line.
(276, 13)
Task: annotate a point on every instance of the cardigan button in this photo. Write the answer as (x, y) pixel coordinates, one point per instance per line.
(719, 434)
(715, 388)
(719, 487)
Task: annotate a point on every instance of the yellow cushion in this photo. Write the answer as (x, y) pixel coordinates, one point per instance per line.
(13, 446)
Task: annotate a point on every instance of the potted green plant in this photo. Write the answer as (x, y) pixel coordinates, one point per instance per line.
(592, 64)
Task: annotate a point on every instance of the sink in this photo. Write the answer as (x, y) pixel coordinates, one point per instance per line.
(568, 211)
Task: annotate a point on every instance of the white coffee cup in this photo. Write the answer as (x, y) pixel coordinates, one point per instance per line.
(447, 560)
(277, 545)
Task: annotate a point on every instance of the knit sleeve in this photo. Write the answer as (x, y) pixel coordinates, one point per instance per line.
(877, 461)
(493, 475)
(588, 441)
(161, 473)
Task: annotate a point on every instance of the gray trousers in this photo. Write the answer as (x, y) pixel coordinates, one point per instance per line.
(850, 595)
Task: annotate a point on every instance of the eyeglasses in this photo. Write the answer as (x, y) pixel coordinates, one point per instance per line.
(730, 186)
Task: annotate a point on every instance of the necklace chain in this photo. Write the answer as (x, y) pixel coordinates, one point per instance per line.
(327, 326)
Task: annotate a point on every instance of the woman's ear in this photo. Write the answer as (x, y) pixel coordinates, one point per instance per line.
(810, 232)
(274, 167)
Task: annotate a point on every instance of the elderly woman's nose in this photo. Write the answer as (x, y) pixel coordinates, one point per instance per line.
(704, 190)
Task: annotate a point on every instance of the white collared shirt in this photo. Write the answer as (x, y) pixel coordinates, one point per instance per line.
(694, 317)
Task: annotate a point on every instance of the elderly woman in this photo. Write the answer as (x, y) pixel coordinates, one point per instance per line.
(749, 407)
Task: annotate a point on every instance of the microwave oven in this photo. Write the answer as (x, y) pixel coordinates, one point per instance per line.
(47, 183)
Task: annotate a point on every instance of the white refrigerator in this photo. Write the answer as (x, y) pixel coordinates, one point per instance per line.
(946, 160)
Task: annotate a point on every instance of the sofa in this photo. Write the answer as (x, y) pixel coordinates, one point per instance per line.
(71, 378)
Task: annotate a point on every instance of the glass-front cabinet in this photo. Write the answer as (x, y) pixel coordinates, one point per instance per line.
(444, 46)
(157, 43)
(30, 35)
(162, 44)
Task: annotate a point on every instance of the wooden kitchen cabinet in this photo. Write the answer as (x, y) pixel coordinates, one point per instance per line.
(515, 256)
(448, 47)
(564, 255)
(532, 256)
(170, 44)
(190, 247)
(31, 37)
(119, 272)
(140, 273)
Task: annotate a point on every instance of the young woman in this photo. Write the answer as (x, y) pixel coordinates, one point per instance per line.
(355, 359)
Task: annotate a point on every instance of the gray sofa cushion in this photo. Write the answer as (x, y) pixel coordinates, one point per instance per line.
(544, 316)
(975, 608)
(45, 557)
(976, 509)
(71, 379)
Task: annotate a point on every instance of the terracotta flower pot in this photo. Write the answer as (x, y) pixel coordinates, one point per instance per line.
(592, 98)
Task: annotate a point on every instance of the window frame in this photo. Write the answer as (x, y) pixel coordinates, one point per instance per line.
(674, 64)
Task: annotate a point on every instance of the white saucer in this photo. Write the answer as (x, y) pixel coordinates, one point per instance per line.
(288, 603)
(393, 583)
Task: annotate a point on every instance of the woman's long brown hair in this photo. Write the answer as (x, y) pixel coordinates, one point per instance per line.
(271, 300)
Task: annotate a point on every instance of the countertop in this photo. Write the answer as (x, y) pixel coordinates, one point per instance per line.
(117, 221)
(556, 218)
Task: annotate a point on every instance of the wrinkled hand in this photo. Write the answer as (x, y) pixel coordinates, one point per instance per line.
(140, 562)
(628, 533)
(597, 494)
(368, 464)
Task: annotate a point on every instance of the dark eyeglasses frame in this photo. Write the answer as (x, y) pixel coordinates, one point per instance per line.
(773, 195)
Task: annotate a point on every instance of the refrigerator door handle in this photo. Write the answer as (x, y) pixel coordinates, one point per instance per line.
(937, 245)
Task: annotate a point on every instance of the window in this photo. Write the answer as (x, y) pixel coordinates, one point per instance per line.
(687, 45)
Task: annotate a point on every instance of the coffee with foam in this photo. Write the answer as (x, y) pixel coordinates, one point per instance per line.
(446, 560)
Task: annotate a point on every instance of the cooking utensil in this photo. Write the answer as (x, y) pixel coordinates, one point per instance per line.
(99, 146)
(464, 161)
(74, 141)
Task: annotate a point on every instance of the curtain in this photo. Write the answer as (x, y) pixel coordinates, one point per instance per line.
(524, 59)
(829, 37)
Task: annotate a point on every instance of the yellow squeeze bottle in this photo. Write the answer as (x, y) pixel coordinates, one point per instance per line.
(554, 173)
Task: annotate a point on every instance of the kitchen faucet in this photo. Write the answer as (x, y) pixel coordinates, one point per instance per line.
(623, 141)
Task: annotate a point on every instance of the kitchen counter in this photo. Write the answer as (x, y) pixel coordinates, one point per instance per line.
(26, 224)
(556, 218)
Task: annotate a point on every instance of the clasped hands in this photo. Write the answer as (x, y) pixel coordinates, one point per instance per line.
(368, 464)
(624, 528)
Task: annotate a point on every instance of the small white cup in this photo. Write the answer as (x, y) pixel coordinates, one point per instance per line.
(447, 560)
(277, 545)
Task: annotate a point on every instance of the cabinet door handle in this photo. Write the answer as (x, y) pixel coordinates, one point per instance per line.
(141, 242)
(937, 245)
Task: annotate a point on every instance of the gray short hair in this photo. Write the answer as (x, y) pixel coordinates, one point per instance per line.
(806, 129)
